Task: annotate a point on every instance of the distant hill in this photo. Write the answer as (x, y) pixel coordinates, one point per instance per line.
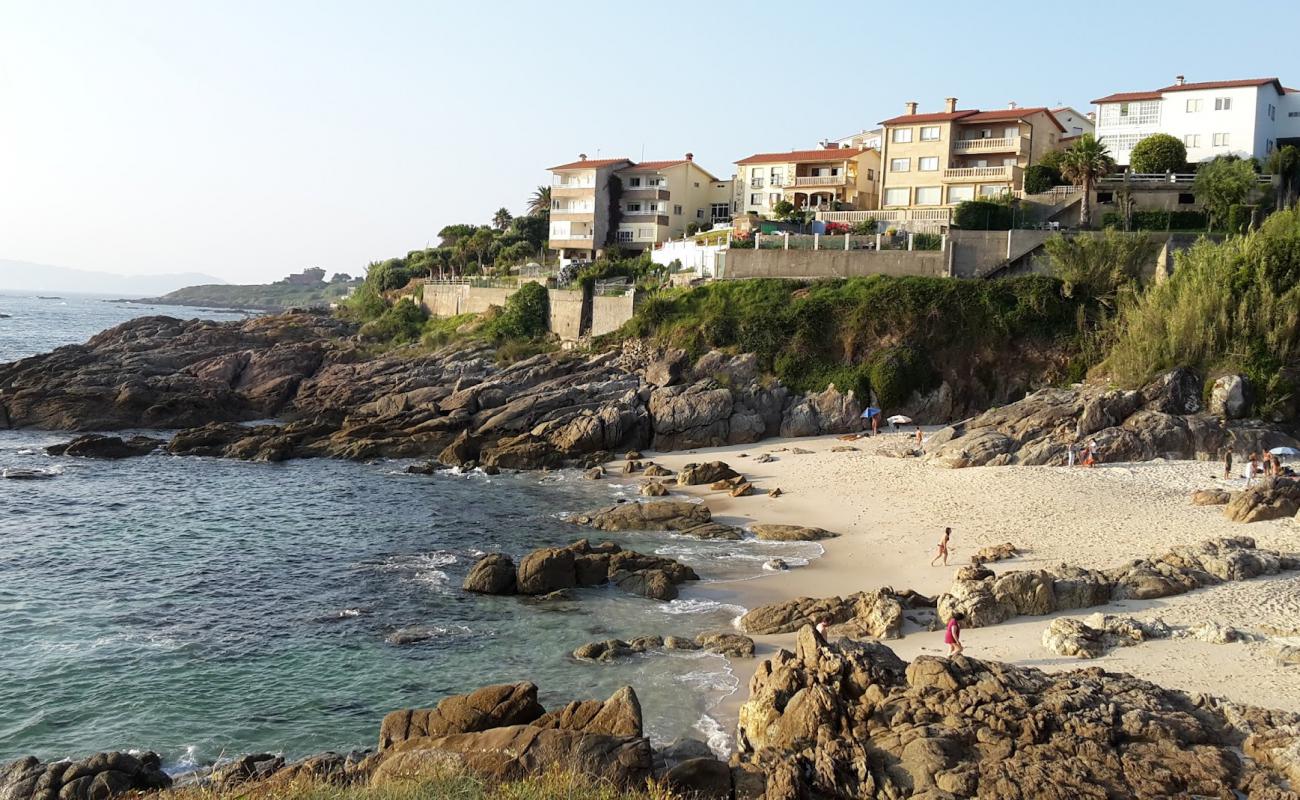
(24, 276)
(304, 289)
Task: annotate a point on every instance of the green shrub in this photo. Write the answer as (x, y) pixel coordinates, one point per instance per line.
(365, 304)
(525, 316)
(927, 241)
(982, 215)
(1159, 152)
(401, 324)
(1040, 178)
(896, 373)
(1239, 216)
(866, 227)
(1157, 220)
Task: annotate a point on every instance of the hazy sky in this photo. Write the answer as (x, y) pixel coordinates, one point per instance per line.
(251, 139)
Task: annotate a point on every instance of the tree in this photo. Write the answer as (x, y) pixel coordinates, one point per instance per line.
(783, 209)
(1083, 164)
(451, 235)
(1159, 152)
(501, 219)
(1038, 179)
(1284, 162)
(1222, 183)
(478, 246)
(539, 205)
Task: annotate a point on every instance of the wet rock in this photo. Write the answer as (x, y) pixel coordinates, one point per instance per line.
(94, 445)
(490, 707)
(711, 472)
(667, 515)
(790, 533)
(492, 574)
(632, 467)
(713, 530)
(775, 565)
(546, 570)
(732, 645)
(606, 651)
(652, 583)
(680, 643)
(653, 489)
(656, 471)
(424, 468)
(99, 777)
(594, 474)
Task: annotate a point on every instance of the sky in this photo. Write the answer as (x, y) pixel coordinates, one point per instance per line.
(247, 140)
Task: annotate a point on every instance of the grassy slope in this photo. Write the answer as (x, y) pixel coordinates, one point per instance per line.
(450, 785)
(271, 297)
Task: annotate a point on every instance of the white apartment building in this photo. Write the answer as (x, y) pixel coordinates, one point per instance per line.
(1246, 118)
(1074, 122)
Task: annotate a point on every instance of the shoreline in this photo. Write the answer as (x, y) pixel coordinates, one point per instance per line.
(890, 513)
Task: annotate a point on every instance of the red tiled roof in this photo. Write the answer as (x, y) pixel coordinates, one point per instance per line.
(590, 163)
(1126, 97)
(820, 154)
(654, 165)
(941, 116)
(1011, 113)
(1185, 87)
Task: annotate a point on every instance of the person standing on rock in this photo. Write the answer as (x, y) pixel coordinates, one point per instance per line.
(943, 548)
(1227, 463)
(952, 634)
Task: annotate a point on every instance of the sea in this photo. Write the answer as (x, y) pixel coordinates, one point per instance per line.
(205, 608)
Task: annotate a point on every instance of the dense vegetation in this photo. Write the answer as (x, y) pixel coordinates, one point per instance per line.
(890, 335)
(263, 297)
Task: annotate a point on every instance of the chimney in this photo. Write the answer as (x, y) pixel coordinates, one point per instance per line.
(950, 104)
(1092, 115)
(1179, 80)
(911, 107)
(1012, 105)
(582, 156)
(690, 156)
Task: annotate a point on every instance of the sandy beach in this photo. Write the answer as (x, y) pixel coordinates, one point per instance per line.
(890, 513)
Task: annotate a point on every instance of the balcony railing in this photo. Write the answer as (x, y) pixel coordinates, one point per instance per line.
(821, 180)
(931, 215)
(572, 210)
(572, 184)
(569, 237)
(1149, 178)
(1005, 144)
(645, 212)
(1003, 173)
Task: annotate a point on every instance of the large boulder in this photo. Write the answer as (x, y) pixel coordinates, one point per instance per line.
(492, 574)
(620, 715)
(490, 707)
(876, 614)
(789, 533)
(703, 778)
(546, 570)
(94, 445)
(665, 515)
(686, 417)
(99, 777)
(1230, 397)
(654, 584)
(1276, 498)
(1176, 392)
(710, 472)
(517, 752)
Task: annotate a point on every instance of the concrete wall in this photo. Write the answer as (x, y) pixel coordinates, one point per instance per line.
(567, 313)
(812, 264)
(609, 313)
(449, 300)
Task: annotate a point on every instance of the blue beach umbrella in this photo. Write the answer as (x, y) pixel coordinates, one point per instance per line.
(870, 412)
(1289, 452)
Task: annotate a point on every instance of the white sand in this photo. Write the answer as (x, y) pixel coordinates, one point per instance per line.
(891, 512)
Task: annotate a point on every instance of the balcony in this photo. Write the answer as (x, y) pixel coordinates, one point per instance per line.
(573, 183)
(645, 212)
(1006, 144)
(584, 210)
(820, 180)
(985, 174)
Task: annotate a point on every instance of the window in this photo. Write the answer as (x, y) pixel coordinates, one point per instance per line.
(756, 182)
(896, 197)
(699, 213)
(677, 210)
(773, 199)
(633, 206)
(960, 194)
(930, 133)
(1193, 106)
(633, 182)
(1268, 146)
(777, 177)
(1293, 113)
(901, 135)
(756, 199)
(645, 233)
(1121, 143)
(624, 235)
(1192, 140)
(1220, 140)
(1105, 197)
(1144, 113)
(1186, 199)
(928, 195)
(1009, 161)
(992, 191)
(928, 164)
(1010, 132)
(1271, 111)
(871, 174)
(1223, 104)
(900, 164)
(718, 211)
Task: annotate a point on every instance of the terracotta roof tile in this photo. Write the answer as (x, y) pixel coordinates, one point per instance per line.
(1011, 113)
(1186, 87)
(590, 163)
(654, 165)
(941, 116)
(820, 154)
(1126, 97)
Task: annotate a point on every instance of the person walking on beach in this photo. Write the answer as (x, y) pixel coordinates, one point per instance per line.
(952, 634)
(1252, 467)
(920, 437)
(875, 425)
(1069, 455)
(1227, 463)
(943, 548)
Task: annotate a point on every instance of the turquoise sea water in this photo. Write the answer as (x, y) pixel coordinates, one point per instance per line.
(206, 608)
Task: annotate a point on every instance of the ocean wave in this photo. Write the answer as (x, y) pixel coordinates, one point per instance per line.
(697, 605)
(714, 735)
(337, 616)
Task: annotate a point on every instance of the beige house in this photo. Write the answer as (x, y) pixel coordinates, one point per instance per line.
(933, 161)
(819, 179)
(599, 202)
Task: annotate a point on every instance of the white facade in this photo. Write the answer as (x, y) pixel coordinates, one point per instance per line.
(1241, 118)
(1074, 122)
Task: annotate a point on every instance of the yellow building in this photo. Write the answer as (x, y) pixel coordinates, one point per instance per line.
(824, 179)
(933, 161)
(616, 201)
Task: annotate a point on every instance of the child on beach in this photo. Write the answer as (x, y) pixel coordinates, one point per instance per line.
(952, 635)
(1227, 463)
(943, 548)
(920, 437)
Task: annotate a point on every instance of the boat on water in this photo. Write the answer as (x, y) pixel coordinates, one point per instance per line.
(28, 474)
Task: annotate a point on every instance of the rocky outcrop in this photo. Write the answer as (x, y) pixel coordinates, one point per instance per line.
(1211, 497)
(710, 472)
(732, 645)
(490, 707)
(877, 614)
(1272, 498)
(995, 552)
(94, 445)
(1163, 420)
(99, 777)
(789, 533)
(665, 515)
(620, 715)
(988, 599)
(1230, 397)
(851, 719)
(1097, 634)
(579, 565)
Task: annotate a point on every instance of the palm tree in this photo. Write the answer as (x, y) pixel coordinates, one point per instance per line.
(540, 203)
(501, 219)
(1086, 162)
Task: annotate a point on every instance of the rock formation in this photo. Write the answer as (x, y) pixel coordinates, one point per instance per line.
(581, 564)
(877, 614)
(851, 719)
(681, 516)
(1271, 498)
(789, 533)
(98, 777)
(94, 445)
(728, 644)
(1098, 633)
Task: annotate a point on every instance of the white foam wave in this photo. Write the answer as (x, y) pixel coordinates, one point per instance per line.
(696, 605)
(714, 735)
